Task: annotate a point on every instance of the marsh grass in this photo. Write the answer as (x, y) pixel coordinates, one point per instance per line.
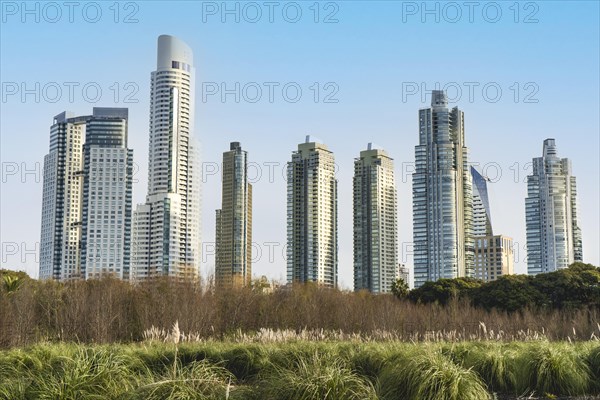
(318, 376)
(496, 363)
(426, 373)
(199, 380)
(556, 368)
(300, 370)
(593, 360)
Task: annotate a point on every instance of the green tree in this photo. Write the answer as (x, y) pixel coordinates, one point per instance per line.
(507, 293)
(12, 280)
(400, 288)
(444, 290)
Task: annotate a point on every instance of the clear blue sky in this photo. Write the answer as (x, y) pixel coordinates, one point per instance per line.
(375, 55)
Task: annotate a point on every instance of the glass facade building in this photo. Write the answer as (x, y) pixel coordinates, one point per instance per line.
(442, 195)
(553, 235)
(87, 195)
(166, 228)
(233, 258)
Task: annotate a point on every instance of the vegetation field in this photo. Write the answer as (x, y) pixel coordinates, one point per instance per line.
(455, 339)
(297, 370)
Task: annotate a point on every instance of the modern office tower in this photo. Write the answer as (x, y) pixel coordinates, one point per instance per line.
(442, 198)
(493, 257)
(375, 221)
(166, 237)
(87, 191)
(482, 218)
(233, 265)
(553, 236)
(312, 215)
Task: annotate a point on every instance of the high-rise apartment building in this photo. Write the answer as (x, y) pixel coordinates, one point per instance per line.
(166, 228)
(493, 257)
(312, 215)
(553, 236)
(375, 221)
(442, 195)
(233, 258)
(403, 272)
(87, 192)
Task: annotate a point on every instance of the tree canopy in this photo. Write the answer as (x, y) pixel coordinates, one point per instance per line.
(574, 287)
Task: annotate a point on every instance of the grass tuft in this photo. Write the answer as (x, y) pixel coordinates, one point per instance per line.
(430, 375)
(317, 376)
(555, 368)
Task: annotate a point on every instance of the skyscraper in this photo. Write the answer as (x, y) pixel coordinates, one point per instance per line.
(493, 257)
(553, 236)
(166, 237)
(375, 221)
(233, 265)
(312, 215)
(482, 216)
(87, 191)
(493, 253)
(442, 198)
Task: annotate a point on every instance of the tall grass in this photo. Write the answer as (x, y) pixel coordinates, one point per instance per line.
(199, 380)
(318, 376)
(498, 364)
(556, 368)
(112, 311)
(429, 374)
(300, 370)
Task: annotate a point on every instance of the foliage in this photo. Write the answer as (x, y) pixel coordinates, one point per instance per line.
(316, 376)
(557, 306)
(575, 287)
(300, 370)
(444, 290)
(400, 288)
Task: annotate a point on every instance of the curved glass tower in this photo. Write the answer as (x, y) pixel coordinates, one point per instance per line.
(166, 238)
(482, 216)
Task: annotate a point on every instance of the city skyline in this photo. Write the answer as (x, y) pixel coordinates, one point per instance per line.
(502, 135)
